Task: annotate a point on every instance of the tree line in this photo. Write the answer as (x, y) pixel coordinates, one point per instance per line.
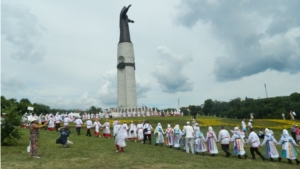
(242, 108)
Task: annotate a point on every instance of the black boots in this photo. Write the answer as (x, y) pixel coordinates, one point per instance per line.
(279, 159)
(297, 161)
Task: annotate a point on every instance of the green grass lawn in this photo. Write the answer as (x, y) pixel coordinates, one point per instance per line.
(92, 152)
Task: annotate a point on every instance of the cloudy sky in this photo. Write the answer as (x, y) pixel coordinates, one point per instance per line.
(64, 53)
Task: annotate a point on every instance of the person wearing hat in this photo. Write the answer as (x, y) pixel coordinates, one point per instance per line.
(238, 143)
(158, 135)
(224, 138)
(169, 135)
(200, 146)
(189, 137)
(211, 140)
(177, 136)
(132, 131)
(34, 133)
(288, 151)
(255, 143)
(270, 141)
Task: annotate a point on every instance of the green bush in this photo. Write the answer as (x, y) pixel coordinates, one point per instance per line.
(10, 133)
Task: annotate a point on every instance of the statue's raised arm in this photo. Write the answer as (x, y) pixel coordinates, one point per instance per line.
(124, 27)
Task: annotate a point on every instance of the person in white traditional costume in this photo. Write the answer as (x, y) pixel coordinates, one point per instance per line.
(132, 131)
(244, 127)
(169, 136)
(211, 140)
(126, 129)
(158, 135)
(177, 136)
(200, 146)
(250, 125)
(51, 122)
(238, 143)
(253, 139)
(115, 122)
(189, 137)
(147, 132)
(270, 141)
(67, 120)
(78, 123)
(120, 136)
(97, 126)
(288, 151)
(57, 122)
(224, 138)
(140, 134)
(89, 125)
(106, 129)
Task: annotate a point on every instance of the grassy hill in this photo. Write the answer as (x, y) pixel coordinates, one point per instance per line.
(92, 152)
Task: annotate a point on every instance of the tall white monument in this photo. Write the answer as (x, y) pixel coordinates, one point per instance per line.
(126, 65)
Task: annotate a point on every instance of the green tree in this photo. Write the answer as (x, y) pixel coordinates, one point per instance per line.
(10, 126)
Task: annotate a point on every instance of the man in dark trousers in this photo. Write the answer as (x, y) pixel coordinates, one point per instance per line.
(147, 132)
(224, 138)
(255, 143)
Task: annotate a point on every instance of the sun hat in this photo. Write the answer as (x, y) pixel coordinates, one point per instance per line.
(33, 119)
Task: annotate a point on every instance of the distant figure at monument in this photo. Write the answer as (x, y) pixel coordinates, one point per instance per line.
(124, 28)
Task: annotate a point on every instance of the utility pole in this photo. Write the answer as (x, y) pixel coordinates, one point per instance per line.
(266, 90)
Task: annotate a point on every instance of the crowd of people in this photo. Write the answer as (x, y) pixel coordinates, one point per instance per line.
(189, 138)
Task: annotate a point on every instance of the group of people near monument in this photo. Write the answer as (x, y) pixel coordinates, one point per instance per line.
(189, 138)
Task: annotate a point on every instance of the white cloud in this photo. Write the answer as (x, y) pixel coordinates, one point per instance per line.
(169, 71)
(21, 29)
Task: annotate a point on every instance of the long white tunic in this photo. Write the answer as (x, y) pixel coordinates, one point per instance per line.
(120, 135)
(238, 143)
(125, 126)
(106, 128)
(97, 126)
(132, 127)
(211, 140)
(270, 141)
(140, 133)
(254, 140)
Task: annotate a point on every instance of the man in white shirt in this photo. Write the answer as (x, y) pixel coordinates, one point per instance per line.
(57, 122)
(89, 125)
(224, 138)
(255, 143)
(189, 137)
(147, 132)
(78, 123)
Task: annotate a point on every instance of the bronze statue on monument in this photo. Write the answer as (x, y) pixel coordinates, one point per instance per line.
(124, 27)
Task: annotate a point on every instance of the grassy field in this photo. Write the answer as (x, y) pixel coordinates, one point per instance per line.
(92, 152)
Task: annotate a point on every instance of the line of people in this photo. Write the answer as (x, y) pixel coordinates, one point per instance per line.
(190, 138)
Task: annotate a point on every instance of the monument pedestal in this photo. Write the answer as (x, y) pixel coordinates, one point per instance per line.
(126, 76)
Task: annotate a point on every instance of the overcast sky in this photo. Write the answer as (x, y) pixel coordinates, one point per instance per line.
(64, 53)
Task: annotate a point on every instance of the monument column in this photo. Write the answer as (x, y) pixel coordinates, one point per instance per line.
(125, 64)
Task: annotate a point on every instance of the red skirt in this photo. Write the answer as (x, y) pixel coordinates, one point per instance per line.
(96, 133)
(51, 129)
(106, 135)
